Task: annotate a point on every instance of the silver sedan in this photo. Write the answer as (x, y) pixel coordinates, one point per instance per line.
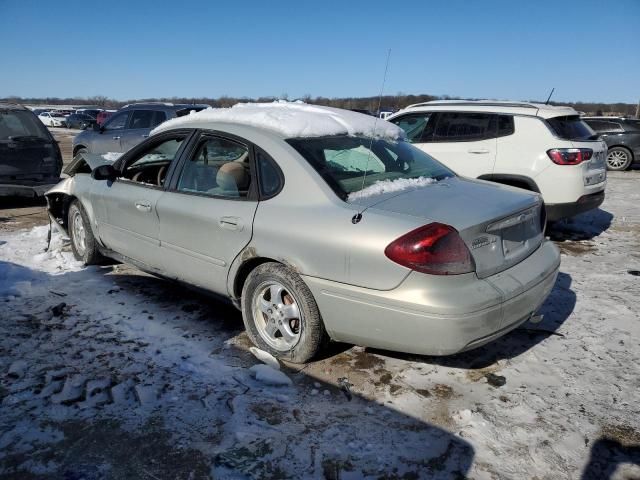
(318, 224)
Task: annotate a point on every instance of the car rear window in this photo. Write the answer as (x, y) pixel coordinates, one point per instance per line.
(16, 123)
(571, 127)
(343, 160)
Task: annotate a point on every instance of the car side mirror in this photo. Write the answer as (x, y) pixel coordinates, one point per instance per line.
(104, 172)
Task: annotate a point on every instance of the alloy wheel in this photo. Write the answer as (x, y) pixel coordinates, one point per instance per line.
(78, 233)
(617, 159)
(277, 316)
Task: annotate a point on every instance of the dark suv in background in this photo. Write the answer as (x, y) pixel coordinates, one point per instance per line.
(622, 136)
(30, 159)
(129, 126)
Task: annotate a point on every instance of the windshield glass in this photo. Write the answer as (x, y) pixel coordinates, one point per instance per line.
(16, 123)
(571, 127)
(343, 160)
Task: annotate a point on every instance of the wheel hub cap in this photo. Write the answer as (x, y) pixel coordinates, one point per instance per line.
(277, 316)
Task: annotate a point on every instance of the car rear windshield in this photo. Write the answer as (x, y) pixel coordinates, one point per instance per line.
(343, 160)
(571, 127)
(16, 124)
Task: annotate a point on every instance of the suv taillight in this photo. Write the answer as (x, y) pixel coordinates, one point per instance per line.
(434, 248)
(569, 156)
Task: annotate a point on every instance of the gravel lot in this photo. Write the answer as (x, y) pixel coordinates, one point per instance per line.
(106, 372)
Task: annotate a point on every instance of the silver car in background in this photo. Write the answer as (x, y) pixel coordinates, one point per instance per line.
(318, 224)
(129, 126)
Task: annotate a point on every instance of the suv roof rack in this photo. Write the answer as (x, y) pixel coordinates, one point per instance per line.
(166, 104)
(480, 103)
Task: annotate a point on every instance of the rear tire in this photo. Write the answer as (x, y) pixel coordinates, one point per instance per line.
(618, 159)
(280, 314)
(83, 243)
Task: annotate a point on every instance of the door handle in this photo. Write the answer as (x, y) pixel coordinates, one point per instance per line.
(478, 150)
(230, 223)
(116, 138)
(143, 206)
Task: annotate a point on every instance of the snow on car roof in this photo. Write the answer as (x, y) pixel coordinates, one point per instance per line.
(291, 120)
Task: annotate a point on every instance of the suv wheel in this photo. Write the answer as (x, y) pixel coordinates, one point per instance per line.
(618, 158)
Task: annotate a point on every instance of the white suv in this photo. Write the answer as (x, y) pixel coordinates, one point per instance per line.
(537, 147)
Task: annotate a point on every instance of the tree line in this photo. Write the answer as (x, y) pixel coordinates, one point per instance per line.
(386, 102)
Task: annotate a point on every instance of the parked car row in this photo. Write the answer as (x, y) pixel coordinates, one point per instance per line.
(80, 119)
(424, 234)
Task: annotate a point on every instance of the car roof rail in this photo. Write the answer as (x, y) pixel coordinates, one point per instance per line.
(166, 104)
(468, 103)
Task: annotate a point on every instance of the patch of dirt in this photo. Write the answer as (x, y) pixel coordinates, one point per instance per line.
(268, 412)
(103, 447)
(625, 435)
(576, 248)
(444, 392)
(332, 468)
(367, 361)
(480, 373)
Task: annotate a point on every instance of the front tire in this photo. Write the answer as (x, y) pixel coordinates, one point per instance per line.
(280, 314)
(83, 243)
(618, 158)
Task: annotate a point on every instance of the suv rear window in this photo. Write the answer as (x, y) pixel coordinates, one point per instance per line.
(571, 127)
(19, 123)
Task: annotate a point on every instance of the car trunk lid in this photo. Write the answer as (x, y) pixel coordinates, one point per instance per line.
(500, 225)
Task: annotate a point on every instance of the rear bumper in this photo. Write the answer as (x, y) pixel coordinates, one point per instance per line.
(27, 189)
(432, 315)
(584, 204)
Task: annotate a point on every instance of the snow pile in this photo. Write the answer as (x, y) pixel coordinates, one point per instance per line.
(390, 186)
(112, 156)
(292, 120)
(269, 375)
(265, 357)
(28, 249)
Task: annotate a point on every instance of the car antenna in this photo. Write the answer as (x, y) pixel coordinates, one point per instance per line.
(549, 97)
(358, 216)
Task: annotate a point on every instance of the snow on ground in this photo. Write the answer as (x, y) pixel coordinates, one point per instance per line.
(292, 120)
(110, 373)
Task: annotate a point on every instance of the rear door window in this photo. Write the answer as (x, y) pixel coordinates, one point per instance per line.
(415, 126)
(464, 127)
(571, 127)
(141, 119)
(117, 122)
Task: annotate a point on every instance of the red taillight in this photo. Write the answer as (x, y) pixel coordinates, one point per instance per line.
(435, 248)
(569, 156)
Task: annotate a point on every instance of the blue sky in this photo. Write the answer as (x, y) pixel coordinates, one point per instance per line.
(587, 50)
